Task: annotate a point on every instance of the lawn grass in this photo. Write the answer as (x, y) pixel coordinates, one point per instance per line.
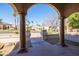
(8, 48)
(1, 53)
(10, 31)
(72, 42)
(55, 41)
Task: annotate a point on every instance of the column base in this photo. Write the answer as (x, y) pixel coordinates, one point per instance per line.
(22, 51)
(28, 44)
(64, 45)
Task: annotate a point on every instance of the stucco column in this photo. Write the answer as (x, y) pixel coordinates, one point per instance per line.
(22, 33)
(62, 39)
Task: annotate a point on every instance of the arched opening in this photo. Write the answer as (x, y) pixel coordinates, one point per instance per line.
(72, 29)
(43, 17)
(9, 36)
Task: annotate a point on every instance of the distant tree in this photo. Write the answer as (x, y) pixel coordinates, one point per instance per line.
(15, 20)
(32, 22)
(73, 20)
(38, 25)
(28, 24)
(1, 20)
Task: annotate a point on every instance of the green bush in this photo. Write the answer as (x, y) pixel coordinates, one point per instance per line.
(17, 31)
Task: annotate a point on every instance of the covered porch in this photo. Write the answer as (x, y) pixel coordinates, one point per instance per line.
(45, 48)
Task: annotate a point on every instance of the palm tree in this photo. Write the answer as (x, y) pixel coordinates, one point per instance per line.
(0, 20)
(28, 22)
(15, 19)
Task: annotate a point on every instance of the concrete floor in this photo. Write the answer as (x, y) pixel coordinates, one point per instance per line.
(40, 47)
(43, 48)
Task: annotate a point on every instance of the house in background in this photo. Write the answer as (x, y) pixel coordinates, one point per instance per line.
(6, 26)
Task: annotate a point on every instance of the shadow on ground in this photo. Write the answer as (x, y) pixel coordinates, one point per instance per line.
(54, 39)
(41, 47)
(35, 41)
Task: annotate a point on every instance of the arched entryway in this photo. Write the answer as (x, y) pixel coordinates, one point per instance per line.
(7, 28)
(44, 17)
(72, 29)
(64, 10)
(21, 9)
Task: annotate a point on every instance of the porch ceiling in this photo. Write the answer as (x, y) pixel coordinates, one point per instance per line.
(65, 9)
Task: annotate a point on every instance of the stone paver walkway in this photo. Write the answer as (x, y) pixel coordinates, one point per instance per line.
(43, 48)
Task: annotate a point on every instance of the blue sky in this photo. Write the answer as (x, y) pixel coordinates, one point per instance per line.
(38, 13)
(6, 13)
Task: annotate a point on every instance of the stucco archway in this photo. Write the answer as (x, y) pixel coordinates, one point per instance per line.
(63, 9)
(21, 9)
(56, 14)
